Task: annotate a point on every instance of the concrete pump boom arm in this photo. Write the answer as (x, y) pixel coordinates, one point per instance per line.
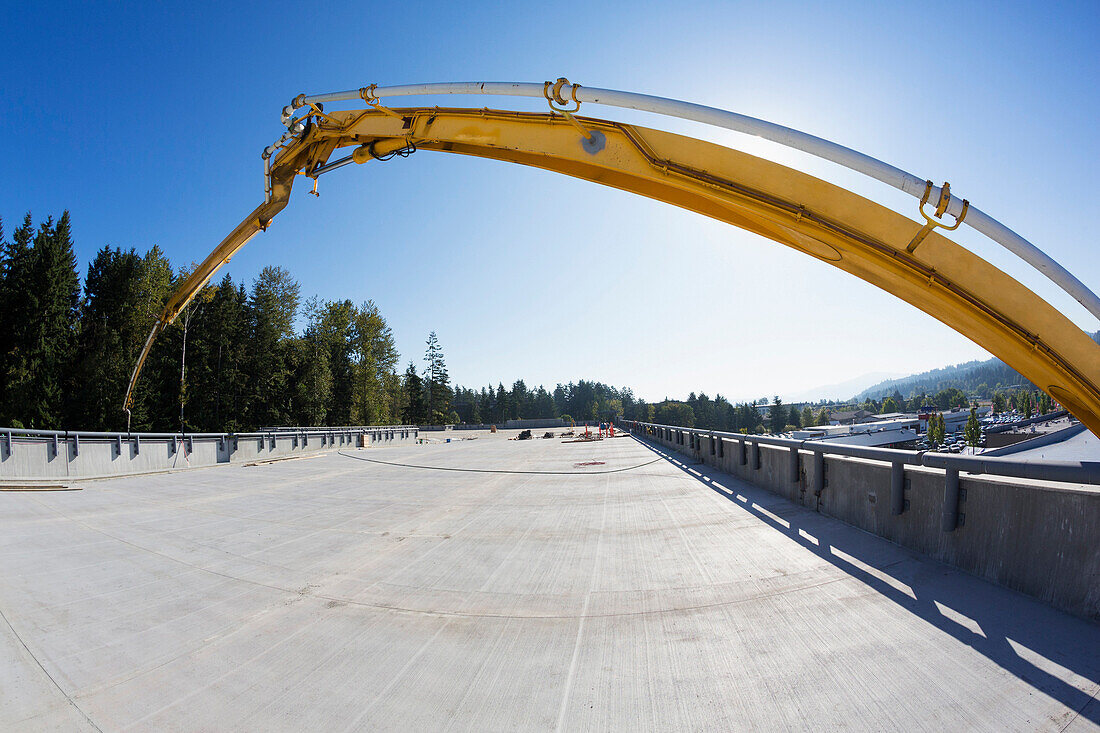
(564, 92)
(909, 260)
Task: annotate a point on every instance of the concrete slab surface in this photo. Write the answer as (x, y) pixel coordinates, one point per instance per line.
(545, 586)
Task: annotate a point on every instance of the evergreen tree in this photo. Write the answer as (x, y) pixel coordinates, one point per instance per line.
(103, 350)
(475, 409)
(395, 396)
(15, 274)
(777, 416)
(795, 419)
(807, 416)
(436, 383)
(227, 316)
(500, 407)
(273, 305)
(520, 400)
(41, 361)
(415, 409)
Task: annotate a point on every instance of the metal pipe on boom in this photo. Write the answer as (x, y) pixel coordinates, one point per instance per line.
(786, 136)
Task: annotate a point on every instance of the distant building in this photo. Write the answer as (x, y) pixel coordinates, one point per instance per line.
(881, 433)
(849, 418)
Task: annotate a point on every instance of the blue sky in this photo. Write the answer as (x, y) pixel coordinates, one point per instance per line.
(147, 123)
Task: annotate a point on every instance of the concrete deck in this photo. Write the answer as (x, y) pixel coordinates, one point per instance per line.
(332, 593)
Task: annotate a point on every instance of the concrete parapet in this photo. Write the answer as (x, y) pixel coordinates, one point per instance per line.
(30, 456)
(1037, 537)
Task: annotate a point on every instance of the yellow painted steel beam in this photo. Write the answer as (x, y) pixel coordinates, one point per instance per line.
(816, 218)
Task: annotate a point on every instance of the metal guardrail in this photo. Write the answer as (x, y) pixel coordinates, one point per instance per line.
(748, 447)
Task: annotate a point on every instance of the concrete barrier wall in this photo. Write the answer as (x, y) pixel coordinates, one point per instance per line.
(64, 456)
(1040, 538)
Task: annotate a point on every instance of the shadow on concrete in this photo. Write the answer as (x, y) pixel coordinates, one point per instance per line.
(1011, 627)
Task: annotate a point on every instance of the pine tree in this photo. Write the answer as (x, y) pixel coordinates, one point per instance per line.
(102, 353)
(520, 400)
(500, 407)
(415, 409)
(778, 416)
(475, 409)
(44, 355)
(437, 382)
(13, 256)
(272, 306)
(225, 396)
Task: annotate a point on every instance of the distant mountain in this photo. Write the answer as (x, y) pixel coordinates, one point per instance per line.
(840, 390)
(970, 377)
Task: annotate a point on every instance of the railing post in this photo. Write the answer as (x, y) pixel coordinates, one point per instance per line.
(819, 472)
(897, 488)
(76, 445)
(742, 455)
(950, 499)
(755, 456)
(794, 463)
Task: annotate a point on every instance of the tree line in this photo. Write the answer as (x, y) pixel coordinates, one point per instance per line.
(231, 361)
(583, 401)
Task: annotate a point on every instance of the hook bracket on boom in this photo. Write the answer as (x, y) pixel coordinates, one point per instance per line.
(941, 208)
(594, 140)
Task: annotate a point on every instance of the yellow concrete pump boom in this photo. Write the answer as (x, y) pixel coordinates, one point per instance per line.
(903, 257)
